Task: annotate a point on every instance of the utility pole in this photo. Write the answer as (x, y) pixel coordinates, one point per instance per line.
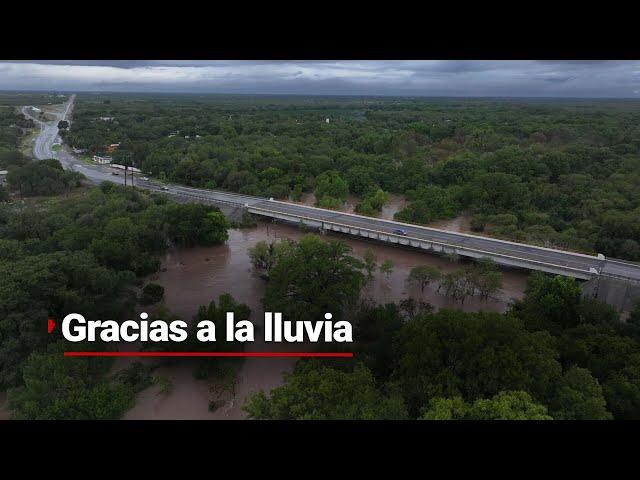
(129, 163)
(604, 264)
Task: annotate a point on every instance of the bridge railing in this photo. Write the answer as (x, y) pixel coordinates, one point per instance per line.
(581, 273)
(462, 250)
(194, 195)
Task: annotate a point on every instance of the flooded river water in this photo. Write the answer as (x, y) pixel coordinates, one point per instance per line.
(195, 276)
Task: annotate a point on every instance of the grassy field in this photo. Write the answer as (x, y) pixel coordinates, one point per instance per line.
(26, 146)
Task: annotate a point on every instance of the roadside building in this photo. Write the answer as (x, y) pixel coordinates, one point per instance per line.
(113, 147)
(102, 160)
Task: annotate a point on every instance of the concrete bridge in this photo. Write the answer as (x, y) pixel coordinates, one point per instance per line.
(531, 257)
(559, 262)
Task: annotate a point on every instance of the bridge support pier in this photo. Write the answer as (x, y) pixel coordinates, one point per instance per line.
(617, 293)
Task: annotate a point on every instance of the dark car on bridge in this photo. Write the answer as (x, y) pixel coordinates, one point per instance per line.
(399, 231)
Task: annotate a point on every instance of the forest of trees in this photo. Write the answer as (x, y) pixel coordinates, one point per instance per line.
(81, 254)
(557, 173)
(562, 173)
(553, 355)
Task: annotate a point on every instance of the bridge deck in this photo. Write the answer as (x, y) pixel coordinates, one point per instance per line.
(528, 252)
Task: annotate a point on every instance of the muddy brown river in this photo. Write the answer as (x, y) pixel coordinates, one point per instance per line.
(195, 276)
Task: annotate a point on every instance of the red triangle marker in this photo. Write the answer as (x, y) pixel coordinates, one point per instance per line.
(50, 325)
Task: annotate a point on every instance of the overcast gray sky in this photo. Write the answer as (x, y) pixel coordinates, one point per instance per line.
(528, 78)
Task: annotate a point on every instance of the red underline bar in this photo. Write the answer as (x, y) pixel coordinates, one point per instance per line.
(210, 354)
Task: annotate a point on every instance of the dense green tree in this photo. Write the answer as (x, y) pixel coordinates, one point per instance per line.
(51, 285)
(612, 358)
(317, 392)
(498, 192)
(331, 184)
(313, 278)
(45, 177)
(330, 203)
(509, 405)
(579, 397)
(78, 255)
(429, 203)
(372, 202)
(473, 355)
(550, 303)
(622, 392)
(375, 327)
(192, 224)
(57, 388)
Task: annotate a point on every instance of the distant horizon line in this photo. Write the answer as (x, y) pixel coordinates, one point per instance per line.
(185, 92)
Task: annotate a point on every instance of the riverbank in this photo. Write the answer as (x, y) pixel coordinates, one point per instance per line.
(195, 276)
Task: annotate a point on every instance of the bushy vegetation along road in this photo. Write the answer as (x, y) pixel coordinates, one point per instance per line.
(556, 173)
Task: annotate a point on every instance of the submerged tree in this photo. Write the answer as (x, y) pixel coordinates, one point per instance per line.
(312, 278)
(423, 275)
(456, 285)
(387, 268)
(484, 277)
(370, 263)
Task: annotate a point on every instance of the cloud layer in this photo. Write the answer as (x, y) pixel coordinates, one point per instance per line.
(419, 78)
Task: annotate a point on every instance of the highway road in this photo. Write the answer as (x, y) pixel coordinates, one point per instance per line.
(98, 173)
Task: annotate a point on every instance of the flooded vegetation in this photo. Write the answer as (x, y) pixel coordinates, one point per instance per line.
(195, 276)
(393, 206)
(461, 223)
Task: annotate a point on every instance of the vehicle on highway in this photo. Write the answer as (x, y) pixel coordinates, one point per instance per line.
(115, 173)
(145, 178)
(399, 231)
(165, 188)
